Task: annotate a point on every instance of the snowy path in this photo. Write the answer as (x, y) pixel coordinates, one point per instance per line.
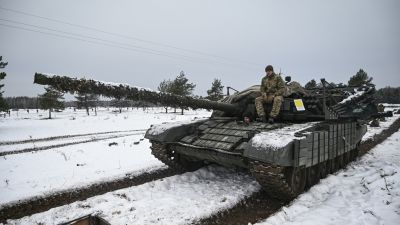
(60, 142)
(366, 192)
(382, 125)
(32, 174)
(41, 173)
(63, 137)
(180, 199)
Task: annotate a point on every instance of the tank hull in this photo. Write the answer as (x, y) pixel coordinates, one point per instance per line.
(283, 157)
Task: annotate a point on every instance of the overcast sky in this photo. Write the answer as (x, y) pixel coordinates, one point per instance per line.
(144, 42)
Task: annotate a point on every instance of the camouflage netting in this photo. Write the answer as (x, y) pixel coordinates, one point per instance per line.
(123, 91)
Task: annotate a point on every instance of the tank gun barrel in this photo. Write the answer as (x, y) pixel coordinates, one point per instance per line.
(124, 91)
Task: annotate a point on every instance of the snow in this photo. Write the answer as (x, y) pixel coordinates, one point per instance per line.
(160, 128)
(382, 126)
(366, 192)
(32, 174)
(124, 84)
(22, 125)
(356, 93)
(180, 199)
(39, 173)
(35, 144)
(391, 105)
(279, 138)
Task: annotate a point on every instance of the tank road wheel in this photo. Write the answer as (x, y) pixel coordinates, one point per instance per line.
(165, 154)
(313, 173)
(284, 183)
(323, 169)
(296, 177)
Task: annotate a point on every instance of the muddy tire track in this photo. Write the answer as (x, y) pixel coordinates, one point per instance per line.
(66, 136)
(42, 148)
(260, 206)
(43, 203)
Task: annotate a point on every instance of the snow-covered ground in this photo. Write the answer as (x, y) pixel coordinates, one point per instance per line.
(24, 126)
(31, 174)
(63, 141)
(40, 173)
(180, 199)
(366, 192)
(382, 125)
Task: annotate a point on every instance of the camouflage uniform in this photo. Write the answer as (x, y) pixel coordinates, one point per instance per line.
(381, 109)
(272, 89)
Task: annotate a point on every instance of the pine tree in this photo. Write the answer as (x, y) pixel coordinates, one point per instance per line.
(51, 99)
(3, 104)
(359, 79)
(311, 84)
(165, 86)
(216, 91)
(180, 86)
(86, 101)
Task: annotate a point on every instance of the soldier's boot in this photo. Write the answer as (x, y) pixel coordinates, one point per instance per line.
(262, 118)
(271, 120)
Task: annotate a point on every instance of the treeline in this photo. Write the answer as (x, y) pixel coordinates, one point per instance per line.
(181, 86)
(25, 102)
(388, 95)
(22, 102)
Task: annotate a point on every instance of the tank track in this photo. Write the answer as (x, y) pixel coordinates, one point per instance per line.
(272, 178)
(167, 156)
(160, 151)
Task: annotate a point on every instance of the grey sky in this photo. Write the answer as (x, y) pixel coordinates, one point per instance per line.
(304, 39)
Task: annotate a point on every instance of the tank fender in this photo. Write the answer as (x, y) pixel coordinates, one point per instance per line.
(282, 156)
(172, 132)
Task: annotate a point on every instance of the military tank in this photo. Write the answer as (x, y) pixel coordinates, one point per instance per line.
(318, 131)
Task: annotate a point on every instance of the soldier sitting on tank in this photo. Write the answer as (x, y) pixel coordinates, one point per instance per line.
(272, 89)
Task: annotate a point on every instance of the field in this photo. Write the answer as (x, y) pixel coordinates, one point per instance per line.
(73, 151)
(75, 164)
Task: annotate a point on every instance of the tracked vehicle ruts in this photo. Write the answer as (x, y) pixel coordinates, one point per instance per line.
(318, 131)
